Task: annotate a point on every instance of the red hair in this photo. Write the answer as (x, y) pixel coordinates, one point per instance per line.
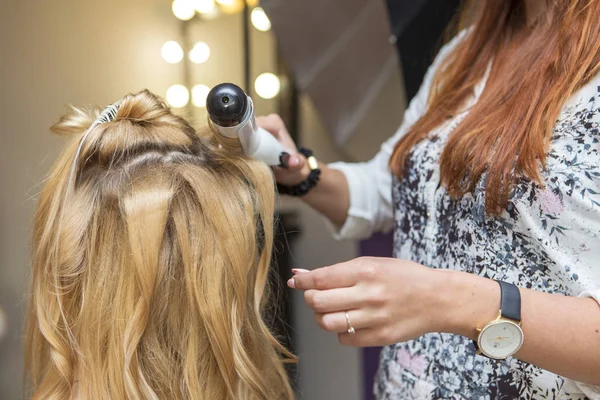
(506, 134)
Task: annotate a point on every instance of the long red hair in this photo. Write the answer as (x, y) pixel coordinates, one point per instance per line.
(535, 70)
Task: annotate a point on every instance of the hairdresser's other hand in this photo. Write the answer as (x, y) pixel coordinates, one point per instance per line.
(388, 300)
(297, 169)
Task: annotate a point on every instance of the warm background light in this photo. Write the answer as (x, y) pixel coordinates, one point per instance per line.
(252, 3)
(172, 52)
(205, 6)
(214, 14)
(184, 9)
(178, 96)
(199, 53)
(199, 94)
(260, 20)
(267, 85)
(231, 6)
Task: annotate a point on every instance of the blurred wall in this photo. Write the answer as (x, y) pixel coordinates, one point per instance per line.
(381, 120)
(58, 52)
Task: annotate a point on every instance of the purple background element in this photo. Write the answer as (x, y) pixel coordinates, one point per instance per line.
(380, 245)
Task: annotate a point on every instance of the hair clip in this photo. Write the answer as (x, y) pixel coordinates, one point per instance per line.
(107, 115)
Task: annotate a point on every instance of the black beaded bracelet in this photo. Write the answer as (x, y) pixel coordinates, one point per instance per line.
(310, 182)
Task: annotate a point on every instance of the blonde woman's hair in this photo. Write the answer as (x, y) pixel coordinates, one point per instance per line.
(150, 266)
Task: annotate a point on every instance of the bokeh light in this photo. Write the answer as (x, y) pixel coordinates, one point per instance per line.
(172, 52)
(267, 85)
(178, 96)
(199, 94)
(184, 9)
(200, 53)
(205, 6)
(260, 20)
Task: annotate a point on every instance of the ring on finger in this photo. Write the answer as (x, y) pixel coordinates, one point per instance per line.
(351, 329)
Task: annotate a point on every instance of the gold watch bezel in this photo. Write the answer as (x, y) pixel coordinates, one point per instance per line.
(497, 321)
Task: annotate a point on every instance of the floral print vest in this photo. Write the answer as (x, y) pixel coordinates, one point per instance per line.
(548, 239)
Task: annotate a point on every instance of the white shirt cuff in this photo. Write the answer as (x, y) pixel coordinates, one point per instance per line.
(359, 222)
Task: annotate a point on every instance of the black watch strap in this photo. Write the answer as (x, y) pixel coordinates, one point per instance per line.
(510, 301)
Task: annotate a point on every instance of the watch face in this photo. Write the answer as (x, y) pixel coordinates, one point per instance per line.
(500, 339)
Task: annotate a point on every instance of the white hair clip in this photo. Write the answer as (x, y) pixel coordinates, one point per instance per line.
(107, 115)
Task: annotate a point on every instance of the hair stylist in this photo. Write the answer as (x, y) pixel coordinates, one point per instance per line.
(492, 187)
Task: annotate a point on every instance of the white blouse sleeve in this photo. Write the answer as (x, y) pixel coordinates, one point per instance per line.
(594, 294)
(591, 391)
(370, 183)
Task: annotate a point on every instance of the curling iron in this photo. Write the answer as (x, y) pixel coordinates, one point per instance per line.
(231, 114)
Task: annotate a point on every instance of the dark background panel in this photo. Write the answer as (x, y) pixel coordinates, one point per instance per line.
(419, 27)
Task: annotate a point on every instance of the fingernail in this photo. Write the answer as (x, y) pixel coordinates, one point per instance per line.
(299, 271)
(294, 161)
(284, 159)
(291, 283)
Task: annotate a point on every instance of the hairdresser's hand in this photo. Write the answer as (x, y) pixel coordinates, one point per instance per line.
(388, 300)
(297, 169)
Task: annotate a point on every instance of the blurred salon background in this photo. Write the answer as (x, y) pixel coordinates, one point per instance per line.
(339, 72)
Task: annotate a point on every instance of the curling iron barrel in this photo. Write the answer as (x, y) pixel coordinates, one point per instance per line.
(231, 114)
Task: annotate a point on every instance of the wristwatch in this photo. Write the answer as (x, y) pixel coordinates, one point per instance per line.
(503, 337)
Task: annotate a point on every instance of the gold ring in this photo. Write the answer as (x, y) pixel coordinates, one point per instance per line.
(350, 327)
